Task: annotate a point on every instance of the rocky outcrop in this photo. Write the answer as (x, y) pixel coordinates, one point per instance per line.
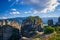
(12, 23)
(7, 31)
(30, 25)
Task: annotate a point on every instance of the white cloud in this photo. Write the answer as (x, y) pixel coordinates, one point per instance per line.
(14, 11)
(17, 0)
(3, 17)
(34, 1)
(50, 6)
(35, 12)
(51, 15)
(27, 12)
(22, 2)
(43, 6)
(14, 0)
(12, 4)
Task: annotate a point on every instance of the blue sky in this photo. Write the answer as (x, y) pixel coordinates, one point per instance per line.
(24, 8)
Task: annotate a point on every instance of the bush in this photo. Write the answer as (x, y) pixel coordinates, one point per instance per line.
(57, 29)
(48, 30)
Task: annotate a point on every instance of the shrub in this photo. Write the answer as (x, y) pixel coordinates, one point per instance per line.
(48, 30)
(57, 29)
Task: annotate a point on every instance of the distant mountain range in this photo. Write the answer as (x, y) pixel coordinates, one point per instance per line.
(44, 19)
(18, 19)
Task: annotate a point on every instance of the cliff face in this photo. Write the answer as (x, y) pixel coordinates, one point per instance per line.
(30, 25)
(9, 29)
(33, 21)
(12, 23)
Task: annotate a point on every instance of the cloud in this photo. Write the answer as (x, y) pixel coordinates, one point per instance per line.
(14, 2)
(51, 6)
(14, 11)
(3, 17)
(54, 15)
(17, 0)
(43, 6)
(22, 2)
(25, 12)
(31, 11)
(28, 12)
(35, 11)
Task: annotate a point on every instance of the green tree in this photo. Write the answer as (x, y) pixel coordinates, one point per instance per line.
(57, 28)
(32, 18)
(48, 30)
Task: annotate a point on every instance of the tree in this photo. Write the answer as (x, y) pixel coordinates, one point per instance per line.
(48, 30)
(39, 20)
(57, 28)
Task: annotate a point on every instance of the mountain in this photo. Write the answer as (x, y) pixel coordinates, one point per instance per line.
(55, 19)
(44, 19)
(18, 19)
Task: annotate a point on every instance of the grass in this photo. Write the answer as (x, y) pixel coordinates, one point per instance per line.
(50, 37)
(55, 37)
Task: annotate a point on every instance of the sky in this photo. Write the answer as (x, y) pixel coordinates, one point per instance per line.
(25, 8)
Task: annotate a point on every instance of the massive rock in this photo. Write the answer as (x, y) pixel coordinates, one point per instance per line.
(30, 25)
